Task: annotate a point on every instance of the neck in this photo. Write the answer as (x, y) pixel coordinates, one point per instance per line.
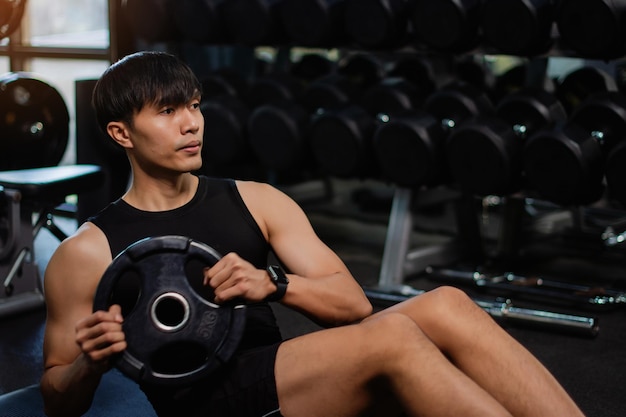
(161, 194)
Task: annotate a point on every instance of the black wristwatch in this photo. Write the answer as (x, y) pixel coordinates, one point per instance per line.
(278, 277)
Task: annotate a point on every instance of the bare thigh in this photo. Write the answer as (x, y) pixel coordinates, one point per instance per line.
(369, 369)
(332, 372)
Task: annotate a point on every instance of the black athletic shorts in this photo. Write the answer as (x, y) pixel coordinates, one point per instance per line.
(245, 387)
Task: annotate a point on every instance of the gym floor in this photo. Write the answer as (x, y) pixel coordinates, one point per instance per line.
(592, 370)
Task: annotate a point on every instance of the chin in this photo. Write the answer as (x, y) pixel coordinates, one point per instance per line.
(193, 164)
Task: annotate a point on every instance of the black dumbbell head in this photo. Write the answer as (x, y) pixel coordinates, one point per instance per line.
(446, 25)
(582, 82)
(518, 27)
(529, 110)
(225, 130)
(376, 24)
(564, 166)
(277, 133)
(485, 156)
(410, 149)
(458, 102)
(318, 23)
(341, 142)
(603, 115)
(593, 28)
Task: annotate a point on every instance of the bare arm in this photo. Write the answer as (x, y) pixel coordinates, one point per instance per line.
(321, 286)
(77, 343)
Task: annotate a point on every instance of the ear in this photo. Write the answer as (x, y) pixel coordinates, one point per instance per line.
(119, 132)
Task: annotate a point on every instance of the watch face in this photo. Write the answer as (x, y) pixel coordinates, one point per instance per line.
(273, 273)
(279, 279)
(277, 274)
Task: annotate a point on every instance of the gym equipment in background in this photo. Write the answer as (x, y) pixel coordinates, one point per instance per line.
(33, 137)
(34, 127)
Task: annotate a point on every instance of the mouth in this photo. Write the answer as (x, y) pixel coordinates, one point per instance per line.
(192, 147)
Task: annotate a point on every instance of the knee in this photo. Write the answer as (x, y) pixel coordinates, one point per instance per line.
(386, 330)
(449, 303)
(450, 298)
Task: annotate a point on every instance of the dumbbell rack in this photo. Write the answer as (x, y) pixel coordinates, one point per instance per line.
(399, 260)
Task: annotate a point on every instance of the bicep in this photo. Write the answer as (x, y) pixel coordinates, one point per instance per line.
(70, 280)
(296, 243)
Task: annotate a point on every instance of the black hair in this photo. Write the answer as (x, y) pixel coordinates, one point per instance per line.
(140, 79)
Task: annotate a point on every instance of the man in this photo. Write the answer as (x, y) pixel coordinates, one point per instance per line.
(435, 355)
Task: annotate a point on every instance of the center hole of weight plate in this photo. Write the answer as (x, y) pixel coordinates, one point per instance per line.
(170, 312)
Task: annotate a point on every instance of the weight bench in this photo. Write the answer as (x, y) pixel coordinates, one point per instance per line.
(28, 200)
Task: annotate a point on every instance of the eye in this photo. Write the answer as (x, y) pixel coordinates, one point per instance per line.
(195, 105)
(167, 110)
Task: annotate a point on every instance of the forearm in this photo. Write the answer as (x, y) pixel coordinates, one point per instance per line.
(330, 300)
(68, 390)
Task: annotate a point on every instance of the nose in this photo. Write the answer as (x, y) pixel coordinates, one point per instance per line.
(192, 120)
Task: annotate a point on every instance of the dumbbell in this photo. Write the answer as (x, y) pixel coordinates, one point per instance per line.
(225, 110)
(446, 25)
(361, 69)
(522, 75)
(225, 81)
(34, 127)
(311, 66)
(474, 70)
(593, 28)
(341, 134)
(409, 81)
(152, 20)
(518, 27)
(566, 165)
(226, 139)
(282, 107)
(175, 333)
(410, 147)
(582, 82)
(377, 24)
(273, 87)
(485, 154)
(253, 22)
(314, 23)
(199, 21)
(277, 123)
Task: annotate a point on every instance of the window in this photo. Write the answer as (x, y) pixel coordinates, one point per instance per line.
(66, 23)
(4, 64)
(62, 75)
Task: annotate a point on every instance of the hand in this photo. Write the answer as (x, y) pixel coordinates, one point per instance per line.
(100, 336)
(233, 277)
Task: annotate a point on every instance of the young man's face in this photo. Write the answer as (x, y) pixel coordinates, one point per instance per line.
(169, 136)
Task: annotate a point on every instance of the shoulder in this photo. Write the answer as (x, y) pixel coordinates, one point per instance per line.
(79, 261)
(272, 208)
(259, 195)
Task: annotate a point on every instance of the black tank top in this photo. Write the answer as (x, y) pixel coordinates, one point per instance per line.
(217, 216)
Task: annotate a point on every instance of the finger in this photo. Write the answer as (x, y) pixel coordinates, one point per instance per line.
(227, 293)
(102, 341)
(220, 272)
(106, 352)
(96, 318)
(116, 311)
(89, 333)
